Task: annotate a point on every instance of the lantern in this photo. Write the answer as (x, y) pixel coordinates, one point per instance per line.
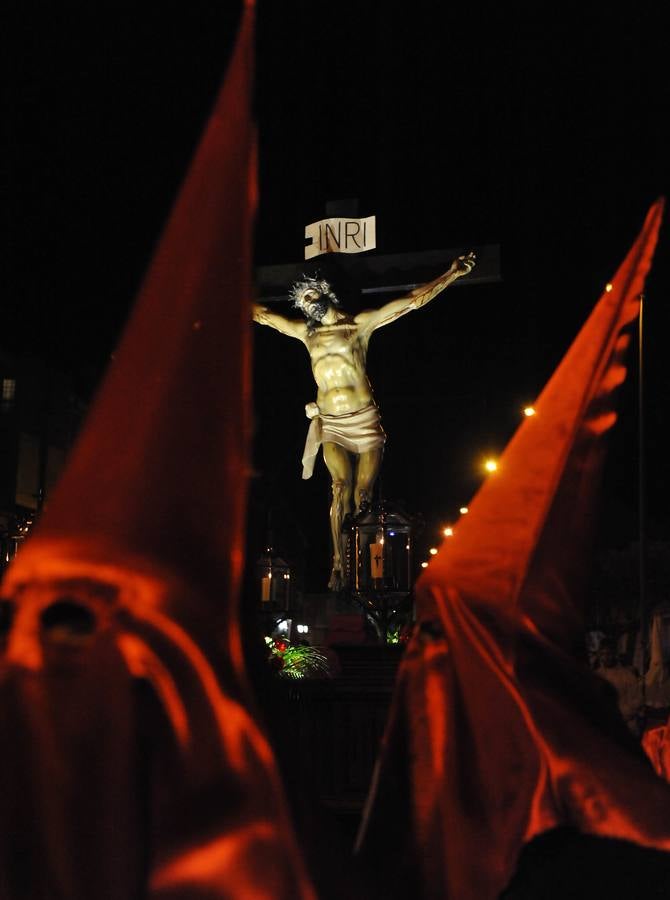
(274, 581)
(379, 562)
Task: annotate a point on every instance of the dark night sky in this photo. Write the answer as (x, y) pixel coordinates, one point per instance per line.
(541, 131)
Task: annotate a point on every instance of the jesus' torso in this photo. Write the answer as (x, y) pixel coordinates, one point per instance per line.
(338, 353)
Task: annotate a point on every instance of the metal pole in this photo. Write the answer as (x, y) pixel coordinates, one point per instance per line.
(641, 498)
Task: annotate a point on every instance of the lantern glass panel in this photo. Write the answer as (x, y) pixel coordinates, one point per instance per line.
(380, 551)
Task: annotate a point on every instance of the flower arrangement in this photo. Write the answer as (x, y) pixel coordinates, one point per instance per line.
(398, 634)
(296, 660)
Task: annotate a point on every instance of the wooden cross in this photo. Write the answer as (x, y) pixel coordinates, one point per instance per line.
(394, 273)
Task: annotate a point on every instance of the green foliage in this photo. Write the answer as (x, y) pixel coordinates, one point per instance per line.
(296, 660)
(393, 634)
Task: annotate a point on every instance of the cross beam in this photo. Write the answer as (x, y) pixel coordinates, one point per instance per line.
(392, 273)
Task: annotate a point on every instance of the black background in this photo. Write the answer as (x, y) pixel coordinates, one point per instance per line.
(541, 129)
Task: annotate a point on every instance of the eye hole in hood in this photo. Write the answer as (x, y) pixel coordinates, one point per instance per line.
(67, 618)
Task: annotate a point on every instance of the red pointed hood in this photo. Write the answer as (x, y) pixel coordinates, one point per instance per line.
(497, 731)
(520, 548)
(160, 470)
(133, 763)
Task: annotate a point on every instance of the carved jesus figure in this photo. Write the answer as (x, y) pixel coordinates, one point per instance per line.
(345, 419)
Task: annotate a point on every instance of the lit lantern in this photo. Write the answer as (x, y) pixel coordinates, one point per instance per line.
(379, 569)
(274, 581)
(380, 546)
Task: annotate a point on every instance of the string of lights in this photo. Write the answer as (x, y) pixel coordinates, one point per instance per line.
(489, 465)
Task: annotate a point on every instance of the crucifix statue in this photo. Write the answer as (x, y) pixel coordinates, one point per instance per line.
(345, 420)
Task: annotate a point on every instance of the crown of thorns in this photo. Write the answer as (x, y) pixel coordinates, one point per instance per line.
(309, 283)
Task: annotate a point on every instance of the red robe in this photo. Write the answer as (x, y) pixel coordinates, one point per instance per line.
(656, 744)
(133, 764)
(498, 732)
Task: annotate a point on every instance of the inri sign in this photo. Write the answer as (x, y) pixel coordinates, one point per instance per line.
(340, 236)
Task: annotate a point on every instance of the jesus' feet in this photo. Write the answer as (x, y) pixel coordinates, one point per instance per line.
(336, 582)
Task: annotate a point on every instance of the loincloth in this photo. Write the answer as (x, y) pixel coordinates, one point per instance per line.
(357, 432)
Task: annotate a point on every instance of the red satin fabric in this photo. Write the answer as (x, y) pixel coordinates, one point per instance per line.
(656, 744)
(505, 734)
(133, 765)
(161, 468)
